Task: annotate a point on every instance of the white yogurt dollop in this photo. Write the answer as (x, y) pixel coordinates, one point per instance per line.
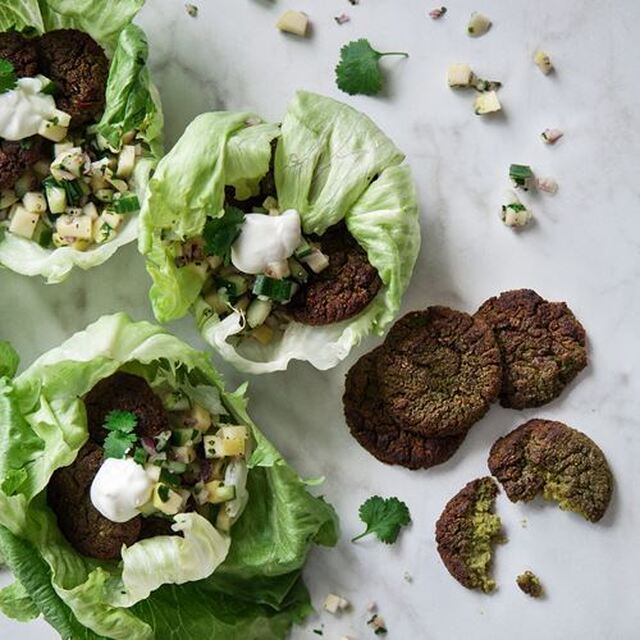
(120, 488)
(24, 109)
(266, 239)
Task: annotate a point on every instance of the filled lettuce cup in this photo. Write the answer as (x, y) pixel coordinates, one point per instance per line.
(80, 133)
(139, 501)
(288, 241)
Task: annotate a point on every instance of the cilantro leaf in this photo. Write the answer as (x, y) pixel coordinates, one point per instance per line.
(121, 426)
(358, 71)
(8, 78)
(384, 517)
(123, 421)
(220, 233)
(117, 444)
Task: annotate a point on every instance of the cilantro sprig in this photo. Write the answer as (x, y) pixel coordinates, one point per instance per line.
(358, 71)
(220, 233)
(384, 517)
(122, 437)
(8, 77)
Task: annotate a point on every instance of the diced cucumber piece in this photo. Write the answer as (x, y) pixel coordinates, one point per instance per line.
(182, 437)
(258, 312)
(277, 290)
(521, 175)
(303, 250)
(298, 272)
(43, 234)
(219, 492)
(104, 195)
(235, 285)
(125, 203)
(176, 467)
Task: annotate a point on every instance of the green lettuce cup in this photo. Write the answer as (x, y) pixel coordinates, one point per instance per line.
(229, 567)
(78, 183)
(327, 177)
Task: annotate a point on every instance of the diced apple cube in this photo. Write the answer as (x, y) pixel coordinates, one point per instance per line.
(295, 22)
(23, 222)
(459, 75)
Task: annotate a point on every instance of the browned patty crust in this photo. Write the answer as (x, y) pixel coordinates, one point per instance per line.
(21, 52)
(19, 156)
(439, 371)
(125, 392)
(79, 67)
(563, 464)
(542, 345)
(343, 289)
(86, 529)
(455, 536)
(380, 435)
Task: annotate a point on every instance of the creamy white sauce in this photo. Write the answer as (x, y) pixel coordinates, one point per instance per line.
(266, 239)
(120, 488)
(24, 109)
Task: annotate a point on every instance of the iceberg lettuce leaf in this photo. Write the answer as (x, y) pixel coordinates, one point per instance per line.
(131, 102)
(257, 590)
(332, 163)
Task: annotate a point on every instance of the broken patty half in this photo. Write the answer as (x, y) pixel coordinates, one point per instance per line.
(380, 435)
(543, 346)
(466, 532)
(439, 371)
(552, 459)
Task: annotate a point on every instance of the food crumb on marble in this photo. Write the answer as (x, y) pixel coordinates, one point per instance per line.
(543, 61)
(377, 623)
(294, 22)
(478, 25)
(335, 604)
(192, 10)
(342, 18)
(372, 607)
(408, 577)
(437, 13)
(548, 185)
(551, 136)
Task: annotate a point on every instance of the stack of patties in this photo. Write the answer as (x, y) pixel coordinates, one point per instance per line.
(412, 400)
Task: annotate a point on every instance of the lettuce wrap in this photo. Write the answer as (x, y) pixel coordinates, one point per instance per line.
(132, 103)
(239, 584)
(332, 165)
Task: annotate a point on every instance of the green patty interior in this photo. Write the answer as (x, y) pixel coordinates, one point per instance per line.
(485, 531)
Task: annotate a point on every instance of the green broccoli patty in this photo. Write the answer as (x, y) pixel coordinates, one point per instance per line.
(552, 459)
(466, 533)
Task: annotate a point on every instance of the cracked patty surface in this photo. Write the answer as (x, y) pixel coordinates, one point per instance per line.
(439, 372)
(552, 459)
(542, 346)
(16, 157)
(466, 532)
(79, 67)
(21, 52)
(343, 289)
(87, 530)
(125, 392)
(369, 424)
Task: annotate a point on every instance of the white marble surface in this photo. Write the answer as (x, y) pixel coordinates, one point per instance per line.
(584, 248)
